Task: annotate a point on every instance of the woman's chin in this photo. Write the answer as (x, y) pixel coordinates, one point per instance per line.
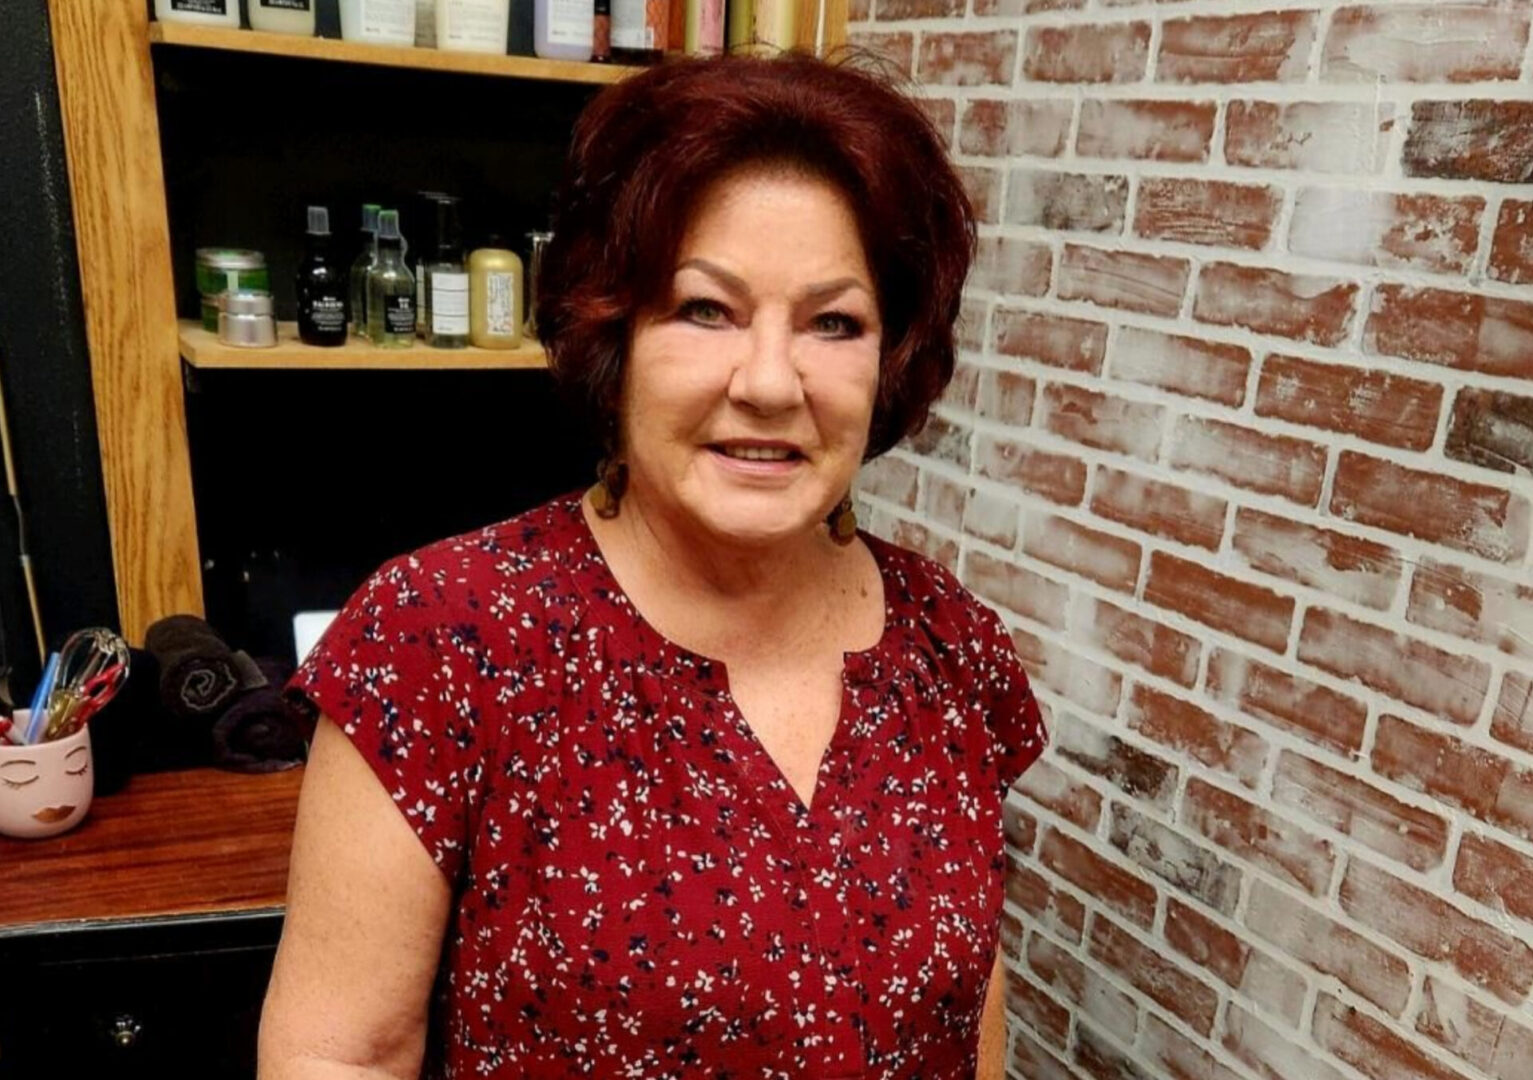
(759, 523)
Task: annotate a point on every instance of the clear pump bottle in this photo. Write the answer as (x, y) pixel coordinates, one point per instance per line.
(359, 268)
(390, 289)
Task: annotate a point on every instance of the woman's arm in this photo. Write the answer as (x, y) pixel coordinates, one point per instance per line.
(992, 1027)
(366, 912)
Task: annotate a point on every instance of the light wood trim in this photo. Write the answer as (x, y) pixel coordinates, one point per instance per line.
(112, 141)
(355, 52)
(202, 350)
(835, 25)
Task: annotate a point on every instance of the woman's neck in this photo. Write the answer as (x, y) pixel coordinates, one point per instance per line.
(705, 593)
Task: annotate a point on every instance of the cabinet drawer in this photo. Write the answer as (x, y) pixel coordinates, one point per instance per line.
(160, 1014)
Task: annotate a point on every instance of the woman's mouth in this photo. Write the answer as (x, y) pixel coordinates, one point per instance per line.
(758, 459)
(758, 453)
(52, 815)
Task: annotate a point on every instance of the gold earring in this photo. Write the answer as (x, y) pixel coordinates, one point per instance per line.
(843, 522)
(607, 493)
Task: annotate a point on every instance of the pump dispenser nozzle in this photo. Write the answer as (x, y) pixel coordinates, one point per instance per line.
(388, 225)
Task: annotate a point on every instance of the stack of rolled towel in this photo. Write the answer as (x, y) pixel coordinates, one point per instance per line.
(223, 707)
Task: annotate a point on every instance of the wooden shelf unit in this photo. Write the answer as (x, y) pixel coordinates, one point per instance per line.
(202, 349)
(103, 57)
(402, 56)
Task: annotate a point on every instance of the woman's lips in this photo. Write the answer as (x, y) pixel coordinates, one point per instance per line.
(52, 815)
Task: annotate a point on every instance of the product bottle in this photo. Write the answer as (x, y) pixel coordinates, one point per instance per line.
(538, 241)
(283, 16)
(448, 288)
(378, 22)
(360, 267)
(425, 24)
(601, 32)
(495, 297)
(776, 24)
(562, 29)
(473, 25)
(740, 25)
(423, 226)
(207, 12)
(639, 30)
(321, 288)
(703, 34)
(390, 289)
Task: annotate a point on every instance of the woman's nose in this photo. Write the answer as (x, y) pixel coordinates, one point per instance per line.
(766, 378)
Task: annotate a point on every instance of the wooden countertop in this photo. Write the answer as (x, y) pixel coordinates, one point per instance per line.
(196, 842)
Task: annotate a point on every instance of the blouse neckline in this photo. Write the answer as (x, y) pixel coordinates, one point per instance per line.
(596, 581)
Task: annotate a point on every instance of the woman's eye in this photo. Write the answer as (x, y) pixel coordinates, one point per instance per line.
(836, 324)
(18, 783)
(704, 312)
(81, 771)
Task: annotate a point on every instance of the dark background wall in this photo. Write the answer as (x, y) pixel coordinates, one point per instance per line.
(44, 364)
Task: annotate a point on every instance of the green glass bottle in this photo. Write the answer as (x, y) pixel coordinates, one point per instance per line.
(390, 289)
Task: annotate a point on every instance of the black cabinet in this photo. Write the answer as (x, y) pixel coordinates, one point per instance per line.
(163, 998)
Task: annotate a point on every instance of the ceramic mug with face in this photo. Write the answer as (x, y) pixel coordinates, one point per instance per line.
(44, 789)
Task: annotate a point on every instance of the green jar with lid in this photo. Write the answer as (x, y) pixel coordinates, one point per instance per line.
(221, 270)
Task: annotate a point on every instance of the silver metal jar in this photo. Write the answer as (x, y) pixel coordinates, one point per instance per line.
(245, 320)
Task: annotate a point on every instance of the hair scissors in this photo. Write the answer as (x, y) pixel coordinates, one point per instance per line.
(93, 665)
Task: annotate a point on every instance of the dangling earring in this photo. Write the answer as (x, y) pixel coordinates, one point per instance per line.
(607, 493)
(843, 522)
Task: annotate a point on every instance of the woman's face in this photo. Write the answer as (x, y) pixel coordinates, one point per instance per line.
(747, 397)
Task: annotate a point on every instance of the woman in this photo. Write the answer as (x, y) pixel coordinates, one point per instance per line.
(688, 777)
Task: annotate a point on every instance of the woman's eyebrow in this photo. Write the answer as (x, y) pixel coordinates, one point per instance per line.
(77, 750)
(816, 293)
(736, 284)
(21, 761)
(732, 282)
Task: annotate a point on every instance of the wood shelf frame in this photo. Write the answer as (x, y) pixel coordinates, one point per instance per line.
(202, 349)
(399, 56)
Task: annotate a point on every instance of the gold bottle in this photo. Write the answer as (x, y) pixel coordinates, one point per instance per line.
(495, 287)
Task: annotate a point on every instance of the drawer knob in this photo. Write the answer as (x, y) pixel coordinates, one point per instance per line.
(125, 1031)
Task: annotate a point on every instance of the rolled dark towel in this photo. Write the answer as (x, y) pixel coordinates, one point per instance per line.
(199, 673)
(259, 732)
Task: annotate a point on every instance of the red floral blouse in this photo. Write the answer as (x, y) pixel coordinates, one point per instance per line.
(640, 891)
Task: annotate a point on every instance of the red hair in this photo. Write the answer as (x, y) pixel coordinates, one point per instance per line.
(647, 147)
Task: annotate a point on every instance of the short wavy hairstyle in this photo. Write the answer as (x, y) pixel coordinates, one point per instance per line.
(647, 147)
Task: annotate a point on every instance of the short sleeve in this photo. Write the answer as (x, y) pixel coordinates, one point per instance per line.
(1017, 731)
(398, 671)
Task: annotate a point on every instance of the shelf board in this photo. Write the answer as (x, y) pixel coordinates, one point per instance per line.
(352, 52)
(202, 349)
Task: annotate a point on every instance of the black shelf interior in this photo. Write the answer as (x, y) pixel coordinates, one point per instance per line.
(305, 481)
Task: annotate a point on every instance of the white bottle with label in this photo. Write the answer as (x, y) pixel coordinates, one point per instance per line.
(378, 22)
(204, 12)
(473, 25)
(561, 29)
(283, 16)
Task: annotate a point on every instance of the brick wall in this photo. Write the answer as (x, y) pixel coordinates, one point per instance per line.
(1242, 447)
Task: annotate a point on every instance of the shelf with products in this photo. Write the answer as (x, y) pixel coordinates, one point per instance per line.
(201, 349)
(397, 56)
(160, 165)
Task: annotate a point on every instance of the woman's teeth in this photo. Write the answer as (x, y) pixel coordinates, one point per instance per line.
(757, 453)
